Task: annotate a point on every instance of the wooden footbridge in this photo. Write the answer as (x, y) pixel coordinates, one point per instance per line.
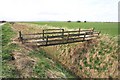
(57, 36)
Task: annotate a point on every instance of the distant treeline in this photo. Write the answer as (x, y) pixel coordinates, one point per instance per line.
(11, 22)
(77, 21)
(2, 21)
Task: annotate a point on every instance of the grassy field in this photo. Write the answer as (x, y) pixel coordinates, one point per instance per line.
(96, 59)
(110, 28)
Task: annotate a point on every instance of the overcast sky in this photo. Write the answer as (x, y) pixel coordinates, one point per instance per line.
(59, 10)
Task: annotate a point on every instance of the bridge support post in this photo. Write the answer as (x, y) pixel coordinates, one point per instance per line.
(92, 31)
(20, 37)
(46, 40)
(43, 34)
(67, 37)
(79, 31)
(62, 33)
(84, 36)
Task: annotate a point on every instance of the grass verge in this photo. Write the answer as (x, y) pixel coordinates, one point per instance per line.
(8, 71)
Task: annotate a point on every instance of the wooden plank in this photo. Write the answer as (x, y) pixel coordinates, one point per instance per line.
(57, 40)
(58, 36)
(53, 32)
(85, 29)
(57, 32)
(51, 29)
(33, 38)
(70, 31)
(36, 42)
(62, 43)
(60, 32)
(34, 34)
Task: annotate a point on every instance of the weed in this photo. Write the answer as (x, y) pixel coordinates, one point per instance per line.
(85, 62)
(97, 61)
(80, 67)
(9, 71)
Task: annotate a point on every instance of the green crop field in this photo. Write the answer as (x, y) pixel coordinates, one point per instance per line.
(110, 28)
